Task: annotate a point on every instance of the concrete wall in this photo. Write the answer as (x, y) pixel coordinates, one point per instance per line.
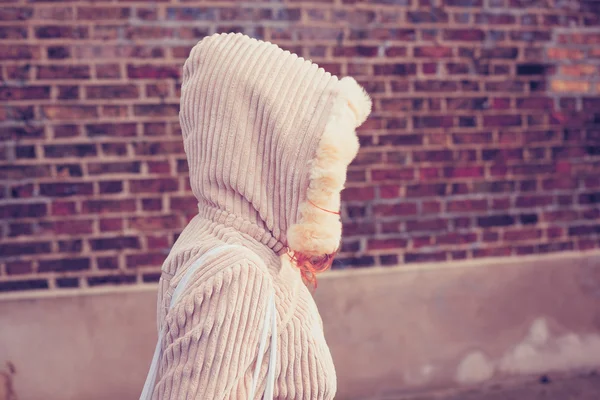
(391, 331)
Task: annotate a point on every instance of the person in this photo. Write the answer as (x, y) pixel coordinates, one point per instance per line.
(268, 137)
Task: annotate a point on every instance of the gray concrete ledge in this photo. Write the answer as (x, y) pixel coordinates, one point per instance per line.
(392, 332)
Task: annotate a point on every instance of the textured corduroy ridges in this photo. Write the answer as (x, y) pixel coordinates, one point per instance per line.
(254, 118)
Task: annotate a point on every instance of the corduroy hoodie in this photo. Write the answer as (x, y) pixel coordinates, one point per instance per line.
(266, 134)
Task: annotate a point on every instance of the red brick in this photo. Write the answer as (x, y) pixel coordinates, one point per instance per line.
(111, 224)
(27, 132)
(431, 16)
(433, 122)
(159, 167)
(22, 191)
(430, 173)
(32, 284)
(67, 282)
(61, 32)
(102, 13)
(69, 150)
(20, 229)
(464, 3)
(156, 204)
(359, 229)
(108, 206)
(17, 172)
(426, 190)
(61, 208)
(467, 206)
(63, 131)
(505, 86)
(69, 171)
(368, 158)
(159, 148)
(492, 252)
(24, 248)
(114, 111)
(566, 183)
(126, 167)
(115, 243)
(404, 174)
(111, 130)
(70, 246)
(455, 238)
(71, 112)
(436, 86)
(158, 242)
(502, 120)
(419, 242)
(12, 14)
(517, 235)
(424, 257)
(495, 220)
(358, 194)
(155, 129)
(432, 225)
(153, 223)
(391, 210)
(8, 93)
(433, 52)
(107, 263)
(156, 110)
(52, 13)
(535, 103)
(60, 189)
(490, 236)
(25, 152)
(429, 68)
(160, 90)
(149, 71)
(495, 19)
(534, 201)
(113, 279)
(19, 52)
(68, 93)
(66, 226)
(114, 149)
(387, 244)
(395, 69)
(391, 227)
(531, 36)
(160, 185)
(153, 259)
(112, 92)
(108, 71)
(501, 204)
(463, 172)
(475, 35)
(19, 267)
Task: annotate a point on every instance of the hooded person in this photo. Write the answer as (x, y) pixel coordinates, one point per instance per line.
(268, 137)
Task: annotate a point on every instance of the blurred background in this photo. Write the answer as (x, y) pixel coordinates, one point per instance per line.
(471, 214)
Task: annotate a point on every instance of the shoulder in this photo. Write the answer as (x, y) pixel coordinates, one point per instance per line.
(221, 267)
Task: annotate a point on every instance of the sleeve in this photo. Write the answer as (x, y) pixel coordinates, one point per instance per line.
(212, 336)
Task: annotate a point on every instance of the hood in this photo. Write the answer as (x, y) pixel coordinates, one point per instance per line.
(268, 137)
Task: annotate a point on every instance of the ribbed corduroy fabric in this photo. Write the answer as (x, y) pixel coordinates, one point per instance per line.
(252, 117)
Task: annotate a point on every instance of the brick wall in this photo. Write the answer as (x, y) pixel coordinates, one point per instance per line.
(484, 140)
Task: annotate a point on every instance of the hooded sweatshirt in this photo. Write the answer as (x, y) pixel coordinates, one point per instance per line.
(268, 137)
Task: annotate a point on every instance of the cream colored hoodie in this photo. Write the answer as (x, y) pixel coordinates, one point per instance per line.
(266, 133)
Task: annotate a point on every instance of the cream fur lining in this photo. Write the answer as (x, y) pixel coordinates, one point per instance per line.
(319, 232)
